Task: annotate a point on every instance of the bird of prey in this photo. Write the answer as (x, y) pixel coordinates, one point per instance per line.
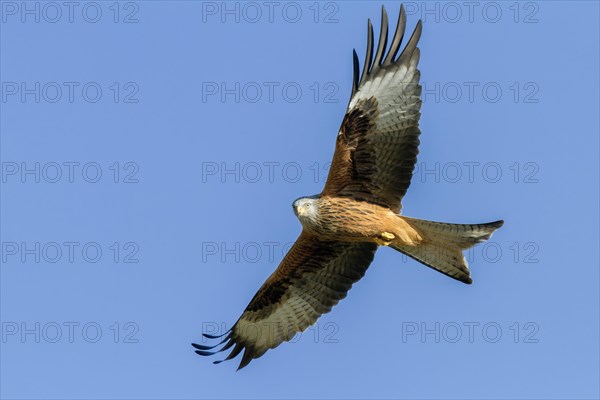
(359, 208)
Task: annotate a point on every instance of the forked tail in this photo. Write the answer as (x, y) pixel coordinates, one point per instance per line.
(443, 244)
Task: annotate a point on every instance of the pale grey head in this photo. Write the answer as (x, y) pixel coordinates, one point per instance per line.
(307, 210)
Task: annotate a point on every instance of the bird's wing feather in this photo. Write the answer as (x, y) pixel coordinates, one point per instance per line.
(377, 145)
(313, 277)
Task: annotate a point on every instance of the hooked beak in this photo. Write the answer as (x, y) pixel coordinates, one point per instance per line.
(298, 210)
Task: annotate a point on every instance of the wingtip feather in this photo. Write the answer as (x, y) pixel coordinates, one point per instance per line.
(209, 336)
(356, 71)
(383, 35)
(377, 59)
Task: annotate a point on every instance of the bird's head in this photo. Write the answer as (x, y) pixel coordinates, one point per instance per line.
(306, 209)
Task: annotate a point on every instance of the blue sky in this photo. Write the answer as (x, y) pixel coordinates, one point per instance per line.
(151, 152)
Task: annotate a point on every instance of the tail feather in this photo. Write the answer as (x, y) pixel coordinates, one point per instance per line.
(443, 244)
(463, 235)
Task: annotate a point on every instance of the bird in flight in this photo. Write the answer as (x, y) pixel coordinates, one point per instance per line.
(359, 208)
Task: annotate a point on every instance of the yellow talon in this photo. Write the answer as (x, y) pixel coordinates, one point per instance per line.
(385, 239)
(388, 236)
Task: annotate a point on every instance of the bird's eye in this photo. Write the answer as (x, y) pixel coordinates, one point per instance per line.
(306, 205)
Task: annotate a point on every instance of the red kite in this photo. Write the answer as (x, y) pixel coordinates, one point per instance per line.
(358, 209)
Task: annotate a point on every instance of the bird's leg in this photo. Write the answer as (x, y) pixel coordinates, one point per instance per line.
(384, 238)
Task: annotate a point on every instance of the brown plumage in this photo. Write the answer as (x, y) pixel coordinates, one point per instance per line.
(358, 209)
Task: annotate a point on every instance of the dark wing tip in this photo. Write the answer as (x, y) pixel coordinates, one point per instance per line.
(383, 35)
(412, 44)
(419, 28)
(497, 224)
(236, 350)
(206, 335)
(246, 358)
(203, 347)
(383, 59)
(356, 71)
(369, 52)
(205, 353)
(397, 39)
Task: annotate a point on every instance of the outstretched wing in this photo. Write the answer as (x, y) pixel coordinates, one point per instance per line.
(377, 145)
(313, 277)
